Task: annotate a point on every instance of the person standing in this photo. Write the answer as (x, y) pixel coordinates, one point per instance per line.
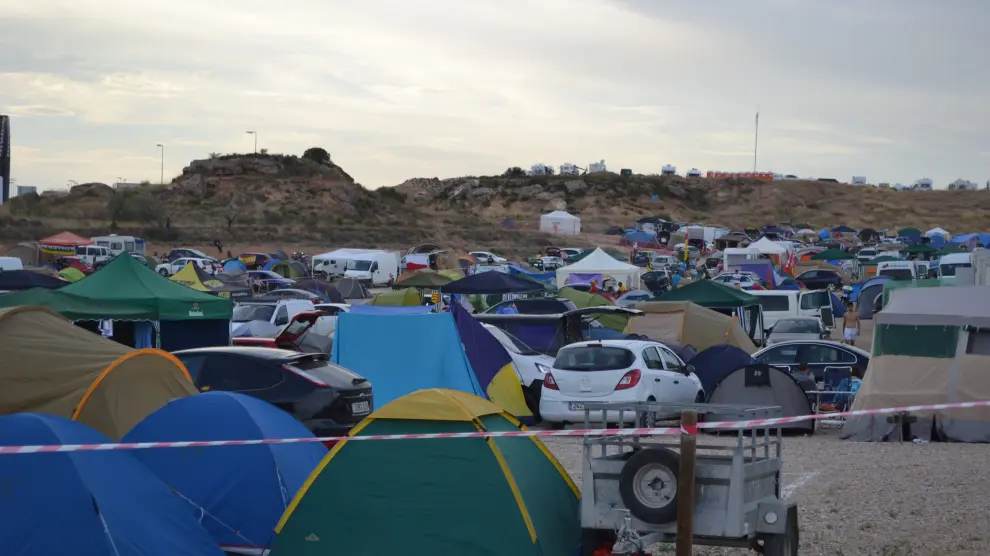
(850, 325)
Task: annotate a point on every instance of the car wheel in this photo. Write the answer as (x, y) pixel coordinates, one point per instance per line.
(163, 272)
(648, 485)
(830, 287)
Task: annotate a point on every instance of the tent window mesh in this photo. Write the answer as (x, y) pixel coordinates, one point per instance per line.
(916, 341)
(978, 343)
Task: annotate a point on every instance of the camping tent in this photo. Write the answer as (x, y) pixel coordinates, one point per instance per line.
(937, 232)
(26, 252)
(16, 280)
(586, 299)
(192, 276)
(715, 363)
(238, 509)
(600, 262)
(351, 288)
(930, 346)
(560, 222)
(126, 290)
(492, 283)
(51, 366)
(327, 291)
(724, 299)
(288, 268)
(64, 243)
(71, 275)
(688, 324)
(94, 504)
(761, 385)
(767, 247)
(464, 496)
(867, 295)
(408, 297)
(423, 278)
(424, 351)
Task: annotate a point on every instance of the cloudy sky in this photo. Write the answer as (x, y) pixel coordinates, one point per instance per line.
(890, 89)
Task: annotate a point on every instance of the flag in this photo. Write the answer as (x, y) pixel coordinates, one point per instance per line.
(492, 365)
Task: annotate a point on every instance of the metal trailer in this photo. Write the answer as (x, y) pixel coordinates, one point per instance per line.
(629, 484)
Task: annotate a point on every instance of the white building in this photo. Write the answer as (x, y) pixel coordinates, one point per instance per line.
(963, 185)
(858, 180)
(596, 167)
(693, 173)
(568, 169)
(25, 189)
(540, 169)
(668, 170)
(560, 222)
(924, 184)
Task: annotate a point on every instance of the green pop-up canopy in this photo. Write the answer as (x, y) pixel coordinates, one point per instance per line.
(711, 294)
(833, 255)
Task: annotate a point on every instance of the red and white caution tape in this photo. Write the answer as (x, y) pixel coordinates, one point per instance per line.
(683, 429)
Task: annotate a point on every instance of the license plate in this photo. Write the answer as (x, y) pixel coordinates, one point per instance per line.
(575, 406)
(360, 407)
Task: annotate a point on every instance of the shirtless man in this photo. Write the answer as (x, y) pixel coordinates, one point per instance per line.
(850, 324)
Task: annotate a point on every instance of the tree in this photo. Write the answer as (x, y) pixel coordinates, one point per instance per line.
(214, 155)
(263, 152)
(318, 155)
(514, 172)
(130, 205)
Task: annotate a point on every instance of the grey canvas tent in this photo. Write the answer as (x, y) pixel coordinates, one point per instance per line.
(930, 346)
(352, 289)
(758, 384)
(872, 288)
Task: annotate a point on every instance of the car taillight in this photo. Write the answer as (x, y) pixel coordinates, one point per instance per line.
(628, 380)
(304, 374)
(549, 382)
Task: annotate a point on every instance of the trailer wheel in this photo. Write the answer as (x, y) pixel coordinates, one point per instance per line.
(648, 485)
(787, 543)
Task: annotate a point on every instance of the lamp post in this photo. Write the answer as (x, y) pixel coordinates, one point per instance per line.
(255, 133)
(162, 147)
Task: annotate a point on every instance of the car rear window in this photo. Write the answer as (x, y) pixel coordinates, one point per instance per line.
(245, 313)
(775, 302)
(897, 273)
(594, 358)
(319, 367)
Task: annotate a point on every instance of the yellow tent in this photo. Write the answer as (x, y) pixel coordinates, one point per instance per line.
(409, 297)
(688, 324)
(70, 274)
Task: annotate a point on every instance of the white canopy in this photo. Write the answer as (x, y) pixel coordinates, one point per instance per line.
(600, 262)
(936, 232)
(560, 222)
(767, 247)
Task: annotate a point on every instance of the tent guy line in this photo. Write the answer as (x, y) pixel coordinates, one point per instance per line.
(55, 448)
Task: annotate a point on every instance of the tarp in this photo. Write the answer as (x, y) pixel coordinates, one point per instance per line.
(688, 324)
(408, 297)
(492, 365)
(239, 491)
(469, 496)
(424, 351)
(491, 283)
(126, 290)
(16, 280)
(53, 367)
(94, 504)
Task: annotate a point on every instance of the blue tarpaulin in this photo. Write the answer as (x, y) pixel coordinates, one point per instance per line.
(424, 351)
(242, 491)
(88, 503)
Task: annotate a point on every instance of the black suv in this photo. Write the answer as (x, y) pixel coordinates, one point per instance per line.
(327, 398)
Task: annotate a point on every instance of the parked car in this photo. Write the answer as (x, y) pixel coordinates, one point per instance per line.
(487, 257)
(535, 306)
(186, 253)
(171, 267)
(821, 280)
(531, 366)
(291, 293)
(641, 259)
(73, 261)
(254, 261)
(327, 398)
(819, 355)
(797, 328)
(745, 280)
(615, 371)
(656, 281)
(290, 338)
(266, 280)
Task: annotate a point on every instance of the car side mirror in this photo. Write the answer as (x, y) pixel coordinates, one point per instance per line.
(688, 369)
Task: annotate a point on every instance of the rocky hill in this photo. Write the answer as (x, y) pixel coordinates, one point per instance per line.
(309, 200)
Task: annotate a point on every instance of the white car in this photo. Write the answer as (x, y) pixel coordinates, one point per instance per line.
(746, 280)
(486, 256)
(615, 371)
(531, 365)
(170, 268)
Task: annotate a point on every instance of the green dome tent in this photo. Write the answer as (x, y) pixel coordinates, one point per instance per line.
(463, 496)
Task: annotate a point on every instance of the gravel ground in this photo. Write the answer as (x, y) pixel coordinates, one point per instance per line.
(864, 499)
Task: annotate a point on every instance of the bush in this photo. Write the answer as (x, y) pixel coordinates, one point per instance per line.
(391, 193)
(318, 155)
(514, 172)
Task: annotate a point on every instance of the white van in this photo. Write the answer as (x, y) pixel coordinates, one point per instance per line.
(334, 263)
(11, 263)
(948, 264)
(93, 254)
(898, 270)
(866, 254)
(118, 244)
(779, 304)
(373, 268)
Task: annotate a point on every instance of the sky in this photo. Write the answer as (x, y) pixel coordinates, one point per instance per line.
(893, 90)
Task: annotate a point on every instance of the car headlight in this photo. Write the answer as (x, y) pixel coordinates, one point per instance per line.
(542, 368)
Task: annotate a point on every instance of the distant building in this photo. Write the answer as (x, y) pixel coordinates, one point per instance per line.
(568, 169)
(596, 167)
(859, 180)
(25, 189)
(668, 170)
(924, 184)
(693, 173)
(540, 170)
(963, 185)
(883, 185)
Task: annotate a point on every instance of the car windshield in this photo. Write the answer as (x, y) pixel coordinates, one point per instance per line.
(796, 326)
(594, 358)
(950, 269)
(897, 273)
(254, 311)
(358, 265)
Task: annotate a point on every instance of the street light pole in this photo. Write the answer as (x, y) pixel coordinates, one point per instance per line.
(162, 179)
(255, 133)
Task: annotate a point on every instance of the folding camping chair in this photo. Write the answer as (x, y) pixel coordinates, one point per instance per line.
(835, 395)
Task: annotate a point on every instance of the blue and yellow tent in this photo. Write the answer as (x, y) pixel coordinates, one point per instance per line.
(464, 496)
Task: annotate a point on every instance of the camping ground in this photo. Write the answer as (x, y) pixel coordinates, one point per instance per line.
(869, 498)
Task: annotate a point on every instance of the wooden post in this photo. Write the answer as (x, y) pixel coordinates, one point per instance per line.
(685, 483)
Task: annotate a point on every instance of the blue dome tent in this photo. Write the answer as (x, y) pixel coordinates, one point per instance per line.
(716, 362)
(102, 503)
(240, 491)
